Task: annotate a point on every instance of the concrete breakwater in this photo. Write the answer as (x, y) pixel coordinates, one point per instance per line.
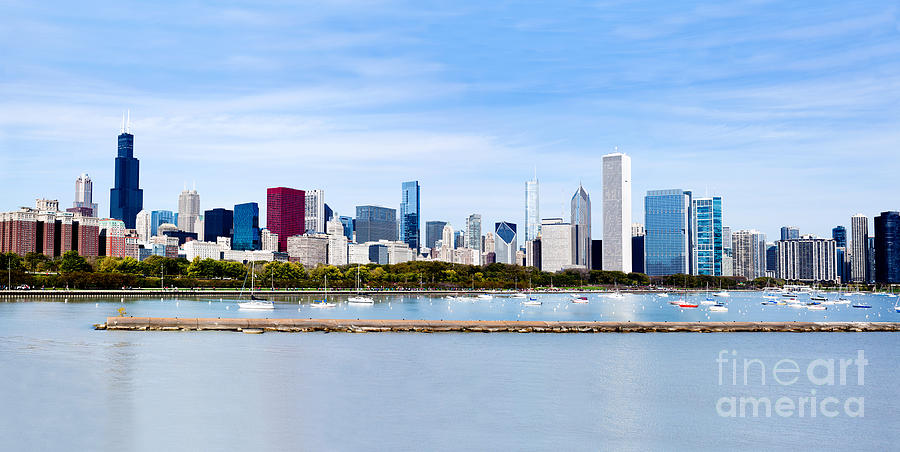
(476, 326)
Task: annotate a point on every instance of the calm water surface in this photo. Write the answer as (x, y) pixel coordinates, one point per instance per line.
(65, 386)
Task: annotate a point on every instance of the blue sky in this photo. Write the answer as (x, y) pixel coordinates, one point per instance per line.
(789, 110)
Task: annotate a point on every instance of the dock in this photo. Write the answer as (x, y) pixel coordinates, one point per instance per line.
(247, 325)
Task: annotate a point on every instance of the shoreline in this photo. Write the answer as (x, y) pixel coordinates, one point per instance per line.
(256, 326)
(58, 293)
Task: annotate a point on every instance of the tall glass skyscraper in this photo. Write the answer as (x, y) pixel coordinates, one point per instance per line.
(668, 232)
(409, 215)
(158, 217)
(887, 248)
(505, 242)
(374, 223)
(218, 223)
(473, 232)
(433, 232)
(707, 230)
(532, 209)
(789, 233)
(347, 223)
(246, 227)
(839, 234)
(581, 222)
(126, 199)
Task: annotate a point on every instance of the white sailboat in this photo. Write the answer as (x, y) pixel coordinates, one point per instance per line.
(255, 303)
(359, 299)
(324, 302)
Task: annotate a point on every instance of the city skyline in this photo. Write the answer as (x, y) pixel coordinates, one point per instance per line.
(743, 121)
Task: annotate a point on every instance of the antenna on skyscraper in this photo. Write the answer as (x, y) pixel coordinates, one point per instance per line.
(128, 124)
(123, 123)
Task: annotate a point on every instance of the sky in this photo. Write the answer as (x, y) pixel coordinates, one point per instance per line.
(788, 110)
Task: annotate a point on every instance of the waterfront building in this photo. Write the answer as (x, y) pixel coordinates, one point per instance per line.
(859, 247)
(374, 223)
(580, 206)
(871, 267)
(347, 223)
(286, 213)
(314, 211)
(143, 226)
(749, 254)
(473, 233)
(188, 210)
(112, 237)
(790, 233)
(268, 241)
(126, 198)
(839, 234)
(309, 250)
(637, 253)
(842, 260)
(709, 248)
(337, 243)
(433, 232)
(668, 232)
(245, 228)
(617, 212)
(217, 223)
(532, 209)
(887, 248)
(807, 259)
(410, 231)
(558, 245)
(505, 242)
(84, 197)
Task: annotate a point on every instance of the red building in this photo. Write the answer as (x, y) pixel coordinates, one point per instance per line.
(285, 213)
(51, 233)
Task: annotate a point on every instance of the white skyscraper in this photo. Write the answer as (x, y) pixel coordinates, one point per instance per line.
(749, 251)
(581, 222)
(558, 245)
(188, 210)
(532, 209)
(337, 243)
(268, 240)
(84, 194)
(315, 210)
(617, 212)
(859, 245)
(143, 226)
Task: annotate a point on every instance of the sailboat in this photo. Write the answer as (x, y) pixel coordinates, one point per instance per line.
(722, 293)
(359, 299)
(324, 302)
(896, 305)
(615, 294)
(708, 299)
(684, 303)
(255, 303)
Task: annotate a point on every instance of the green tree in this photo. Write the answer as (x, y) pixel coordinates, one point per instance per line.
(71, 261)
(33, 260)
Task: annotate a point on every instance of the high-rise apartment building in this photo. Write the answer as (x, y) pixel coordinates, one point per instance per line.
(337, 243)
(126, 198)
(285, 213)
(473, 232)
(112, 237)
(410, 230)
(887, 248)
(315, 211)
(580, 206)
(505, 242)
(749, 251)
(245, 228)
(374, 223)
(859, 247)
(807, 259)
(532, 209)
(188, 210)
(617, 212)
(709, 248)
(433, 231)
(790, 233)
(84, 197)
(668, 226)
(268, 241)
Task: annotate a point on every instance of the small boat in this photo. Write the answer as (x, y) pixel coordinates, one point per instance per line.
(862, 306)
(723, 293)
(818, 298)
(769, 302)
(531, 303)
(770, 296)
(718, 308)
(358, 299)
(615, 294)
(484, 297)
(518, 295)
(323, 303)
(816, 307)
(688, 305)
(255, 304)
(579, 299)
(662, 295)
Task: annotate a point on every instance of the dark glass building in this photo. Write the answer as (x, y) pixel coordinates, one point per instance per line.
(433, 232)
(182, 236)
(347, 222)
(637, 253)
(217, 223)
(789, 233)
(771, 258)
(409, 215)
(125, 198)
(378, 254)
(887, 248)
(375, 223)
(329, 214)
(597, 255)
(839, 234)
(245, 229)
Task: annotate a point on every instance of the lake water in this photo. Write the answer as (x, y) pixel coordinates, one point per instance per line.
(65, 386)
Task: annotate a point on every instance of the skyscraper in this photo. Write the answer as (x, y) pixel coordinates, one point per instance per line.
(285, 213)
(217, 223)
(668, 232)
(839, 234)
(143, 226)
(188, 210)
(558, 245)
(473, 232)
(617, 212)
(807, 258)
(580, 206)
(84, 194)
(410, 232)
(158, 217)
(790, 233)
(315, 211)
(245, 228)
(749, 251)
(887, 248)
(433, 231)
(859, 229)
(126, 199)
(532, 209)
(709, 249)
(347, 223)
(374, 223)
(505, 242)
